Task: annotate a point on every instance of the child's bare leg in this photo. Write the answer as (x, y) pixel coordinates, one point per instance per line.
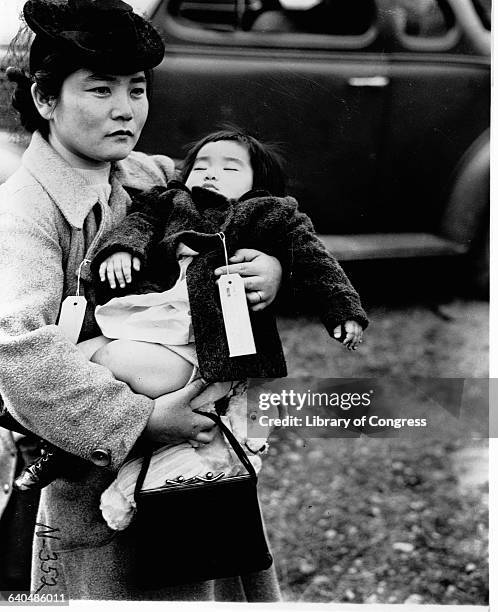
(89, 347)
(150, 369)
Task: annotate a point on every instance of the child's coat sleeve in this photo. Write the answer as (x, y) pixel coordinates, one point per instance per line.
(140, 229)
(315, 277)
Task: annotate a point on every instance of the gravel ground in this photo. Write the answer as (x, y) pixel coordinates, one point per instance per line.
(449, 340)
(385, 520)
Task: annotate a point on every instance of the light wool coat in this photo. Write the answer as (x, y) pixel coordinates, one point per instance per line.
(8, 456)
(48, 226)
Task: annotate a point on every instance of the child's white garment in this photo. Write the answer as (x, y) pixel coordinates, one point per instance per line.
(161, 318)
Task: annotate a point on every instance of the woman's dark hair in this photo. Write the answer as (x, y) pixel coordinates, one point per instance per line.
(53, 69)
(266, 161)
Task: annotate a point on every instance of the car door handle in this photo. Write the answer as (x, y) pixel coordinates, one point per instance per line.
(374, 81)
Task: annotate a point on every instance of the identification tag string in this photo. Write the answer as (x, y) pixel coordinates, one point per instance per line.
(78, 281)
(224, 243)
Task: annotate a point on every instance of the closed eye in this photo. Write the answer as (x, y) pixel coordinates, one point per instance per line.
(232, 169)
(199, 168)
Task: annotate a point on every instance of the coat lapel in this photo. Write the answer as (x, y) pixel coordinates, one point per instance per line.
(71, 193)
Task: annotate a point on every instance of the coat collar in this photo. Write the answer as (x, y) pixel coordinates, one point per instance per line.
(254, 193)
(74, 197)
(205, 198)
(202, 198)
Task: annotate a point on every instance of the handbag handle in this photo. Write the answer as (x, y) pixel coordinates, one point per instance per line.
(232, 440)
(234, 443)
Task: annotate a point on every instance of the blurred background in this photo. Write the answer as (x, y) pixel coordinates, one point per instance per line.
(381, 111)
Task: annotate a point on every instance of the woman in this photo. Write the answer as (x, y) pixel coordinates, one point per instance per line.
(87, 102)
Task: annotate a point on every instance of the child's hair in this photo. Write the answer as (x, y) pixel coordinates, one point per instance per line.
(266, 161)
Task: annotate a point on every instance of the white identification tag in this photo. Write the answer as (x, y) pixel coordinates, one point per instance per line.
(71, 316)
(236, 315)
(73, 311)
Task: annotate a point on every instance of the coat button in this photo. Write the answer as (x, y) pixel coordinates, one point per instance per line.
(6, 488)
(101, 457)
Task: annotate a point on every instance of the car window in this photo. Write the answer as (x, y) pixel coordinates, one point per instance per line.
(423, 18)
(334, 17)
(10, 11)
(219, 15)
(339, 18)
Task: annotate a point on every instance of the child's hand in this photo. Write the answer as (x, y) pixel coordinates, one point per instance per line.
(117, 268)
(354, 334)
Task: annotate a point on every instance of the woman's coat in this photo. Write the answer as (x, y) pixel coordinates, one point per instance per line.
(48, 227)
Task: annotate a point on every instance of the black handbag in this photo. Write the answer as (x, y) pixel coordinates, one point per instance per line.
(200, 528)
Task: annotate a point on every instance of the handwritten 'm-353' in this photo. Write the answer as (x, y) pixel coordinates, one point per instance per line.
(47, 558)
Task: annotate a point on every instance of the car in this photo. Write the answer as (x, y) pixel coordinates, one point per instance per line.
(382, 109)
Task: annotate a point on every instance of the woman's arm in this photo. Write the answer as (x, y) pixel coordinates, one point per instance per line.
(46, 382)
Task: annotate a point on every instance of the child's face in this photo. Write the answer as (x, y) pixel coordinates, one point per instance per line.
(224, 167)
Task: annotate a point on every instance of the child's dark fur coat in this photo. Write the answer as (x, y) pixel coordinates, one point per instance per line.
(163, 217)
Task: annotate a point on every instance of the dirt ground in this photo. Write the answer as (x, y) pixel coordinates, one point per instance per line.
(395, 519)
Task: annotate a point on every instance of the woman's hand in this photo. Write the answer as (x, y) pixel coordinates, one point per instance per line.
(261, 273)
(117, 268)
(172, 419)
(211, 394)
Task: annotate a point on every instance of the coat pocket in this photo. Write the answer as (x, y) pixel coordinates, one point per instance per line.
(108, 573)
(97, 573)
(70, 512)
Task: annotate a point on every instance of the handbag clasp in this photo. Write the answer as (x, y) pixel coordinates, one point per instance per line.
(180, 480)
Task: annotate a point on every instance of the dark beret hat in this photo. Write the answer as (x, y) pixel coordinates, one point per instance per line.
(103, 35)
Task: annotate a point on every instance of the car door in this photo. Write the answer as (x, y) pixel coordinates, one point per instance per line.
(438, 104)
(321, 94)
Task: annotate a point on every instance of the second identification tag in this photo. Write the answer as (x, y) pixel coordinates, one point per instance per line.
(236, 315)
(235, 312)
